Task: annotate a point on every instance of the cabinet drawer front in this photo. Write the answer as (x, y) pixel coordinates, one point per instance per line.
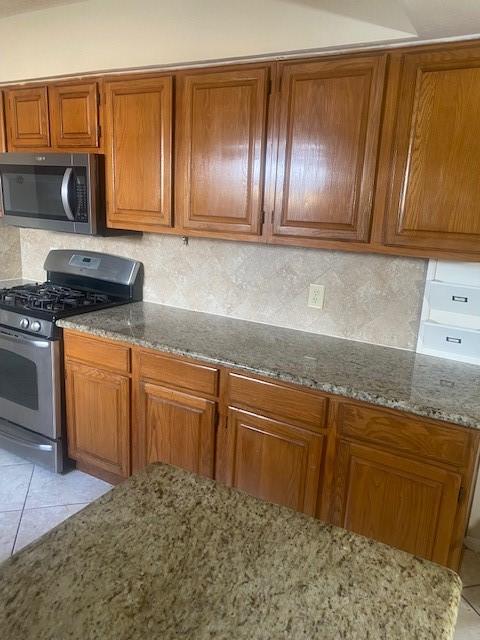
(93, 351)
(419, 436)
(177, 373)
(277, 400)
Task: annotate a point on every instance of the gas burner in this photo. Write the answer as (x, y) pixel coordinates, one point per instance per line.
(50, 298)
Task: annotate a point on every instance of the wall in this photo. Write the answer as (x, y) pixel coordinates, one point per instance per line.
(96, 35)
(10, 258)
(370, 298)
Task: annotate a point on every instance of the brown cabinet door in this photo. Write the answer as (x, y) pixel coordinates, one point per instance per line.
(3, 137)
(175, 427)
(27, 118)
(329, 121)
(407, 504)
(432, 182)
(138, 150)
(98, 418)
(74, 115)
(220, 137)
(273, 460)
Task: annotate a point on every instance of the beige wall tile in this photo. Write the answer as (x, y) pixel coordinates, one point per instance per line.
(371, 298)
(10, 259)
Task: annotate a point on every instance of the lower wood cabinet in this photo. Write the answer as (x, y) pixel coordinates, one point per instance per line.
(175, 427)
(98, 419)
(274, 460)
(405, 503)
(403, 480)
(394, 477)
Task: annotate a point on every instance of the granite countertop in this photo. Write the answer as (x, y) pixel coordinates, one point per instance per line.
(423, 385)
(170, 555)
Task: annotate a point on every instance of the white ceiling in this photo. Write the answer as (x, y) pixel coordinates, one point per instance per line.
(12, 7)
(423, 18)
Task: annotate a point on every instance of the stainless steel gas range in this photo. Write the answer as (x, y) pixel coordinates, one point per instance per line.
(32, 416)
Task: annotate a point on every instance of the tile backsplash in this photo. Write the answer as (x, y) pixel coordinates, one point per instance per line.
(368, 297)
(10, 258)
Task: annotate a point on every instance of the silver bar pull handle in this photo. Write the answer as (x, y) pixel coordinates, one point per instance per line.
(64, 191)
(26, 443)
(459, 299)
(455, 340)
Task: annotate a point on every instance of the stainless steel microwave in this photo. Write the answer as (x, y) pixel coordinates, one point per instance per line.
(56, 191)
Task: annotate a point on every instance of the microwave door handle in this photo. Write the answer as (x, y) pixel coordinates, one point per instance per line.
(64, 191)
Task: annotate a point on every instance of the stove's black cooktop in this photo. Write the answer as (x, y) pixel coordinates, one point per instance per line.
(50, 301)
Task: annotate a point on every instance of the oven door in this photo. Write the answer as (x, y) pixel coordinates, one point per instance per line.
(30, 388)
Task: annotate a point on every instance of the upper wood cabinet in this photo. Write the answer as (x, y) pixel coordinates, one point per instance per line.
(138, 150)
(74, 115)
(61, 117)
(220, 142)
(27, 118)
(328, 130)
(430, 187)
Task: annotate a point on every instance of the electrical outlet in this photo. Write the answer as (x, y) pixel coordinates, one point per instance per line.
(316, 296)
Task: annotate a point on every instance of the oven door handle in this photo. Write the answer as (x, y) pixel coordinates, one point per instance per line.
(64, 192)
(16, 337)
(26, 443)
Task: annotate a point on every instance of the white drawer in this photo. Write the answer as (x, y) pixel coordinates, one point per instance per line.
(451, 341)
(454, 298)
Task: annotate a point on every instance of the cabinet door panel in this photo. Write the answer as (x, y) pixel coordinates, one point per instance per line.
(98, 418)
(138, 147)
(176, 428)
(434, 188)
(27, 118)
(406, 504)
(274, 461)
(221, 148)
(328, 135)
(74, 115)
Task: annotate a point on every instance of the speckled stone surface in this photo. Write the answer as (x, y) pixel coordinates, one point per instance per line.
(169, 555)
(423, 385)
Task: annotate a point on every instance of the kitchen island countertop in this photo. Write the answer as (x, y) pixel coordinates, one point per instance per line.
(169, 555)
(419, 384)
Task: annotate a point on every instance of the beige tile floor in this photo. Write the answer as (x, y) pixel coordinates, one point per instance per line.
(33, 501)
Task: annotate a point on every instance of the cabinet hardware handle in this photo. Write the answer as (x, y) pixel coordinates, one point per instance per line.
(455, 340)
(459, 299)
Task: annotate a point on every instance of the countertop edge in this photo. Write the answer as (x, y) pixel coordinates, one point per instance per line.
(283, 376)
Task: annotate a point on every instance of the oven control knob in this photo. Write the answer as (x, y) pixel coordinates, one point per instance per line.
(35, 326)
(24, 323)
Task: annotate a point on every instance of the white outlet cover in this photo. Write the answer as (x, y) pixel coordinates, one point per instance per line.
(316, 296)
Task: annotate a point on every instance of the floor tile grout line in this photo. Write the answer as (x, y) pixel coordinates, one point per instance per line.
(471, 606)
(23, 509)
(64, 504)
